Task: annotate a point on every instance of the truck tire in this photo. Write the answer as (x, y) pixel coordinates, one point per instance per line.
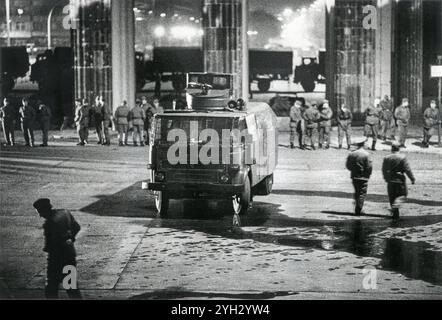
(241, 202)
(162, 203)
(264, 85)
(308, 86)
(265, 187)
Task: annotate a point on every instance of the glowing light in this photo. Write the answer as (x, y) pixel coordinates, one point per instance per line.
(184, 32)
(192, 18)
(162, 15)
(20, 11)
(159, 31)
(287, 12)
(252, 33)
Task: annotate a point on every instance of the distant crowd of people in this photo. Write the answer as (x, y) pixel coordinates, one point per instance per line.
(314, 125)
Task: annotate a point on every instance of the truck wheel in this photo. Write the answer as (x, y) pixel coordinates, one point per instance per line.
(308, 86)
(162, 203)
(241, 201)
(265, 187)
(264, 85)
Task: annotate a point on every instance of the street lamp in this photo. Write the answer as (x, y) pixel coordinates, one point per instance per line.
(49, 22)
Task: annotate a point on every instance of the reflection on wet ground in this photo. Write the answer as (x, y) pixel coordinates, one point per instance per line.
(266, 224)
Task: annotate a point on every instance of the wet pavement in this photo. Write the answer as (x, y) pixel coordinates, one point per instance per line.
(300, 242)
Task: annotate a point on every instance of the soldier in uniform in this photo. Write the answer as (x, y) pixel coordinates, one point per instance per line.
(431, 122)
(138, 117)
(82, 114)
(344, 119)
(106, 115)
(150, 111)
(361, 168)
(311, 117)
(325, 125)
(402, 115)
(27, 118)
(156, 103)
(7, 118)
(296, 125)
(372, 120)
(387, 120)
(122, 123)
(98, 119)
(45, 122)
(394, 169)
(60, 230)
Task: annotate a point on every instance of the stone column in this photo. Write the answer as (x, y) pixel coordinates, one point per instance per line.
(225, 41)
(384, 48)
(123, 53)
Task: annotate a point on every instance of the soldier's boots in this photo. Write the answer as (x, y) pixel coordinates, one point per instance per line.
(358, 211)
(340, 146)
(373, 146)
(292, 146)
(121, 144)
(395, 212)
(141, 144)
(135, 144)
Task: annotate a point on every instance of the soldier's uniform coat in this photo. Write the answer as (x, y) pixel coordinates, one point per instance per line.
(7, 118)
(344, 120)
(325, 125)
(137, 116)
(27, 118)
(122, 122)
(402, 115)
(431, 119)
(82, 118)
(311, 117)
(296, 125)
(372, 115)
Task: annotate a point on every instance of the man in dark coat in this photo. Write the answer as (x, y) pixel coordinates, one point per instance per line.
(97, 115)
(27, 118)
(106, 115)
(431, 122)
(60, 230)
(7, 118)
(325, 125)
(296, 125)
(311, 117)
(403, 116)
(394, 170)
(45, 121)
(372, 121)
(360, 165)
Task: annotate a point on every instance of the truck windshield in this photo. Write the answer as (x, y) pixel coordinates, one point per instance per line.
(165, 124)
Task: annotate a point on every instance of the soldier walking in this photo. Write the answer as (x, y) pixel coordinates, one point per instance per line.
(387, 121)
(296, 125)
(60, 229)
(402, 115)
(7, 118)
(431, 122)
(138, 117)
(394, 169)
(372, 120)
(27, 118)
(45, 122)
(98, 119)
(311, 117)
(122, 123)
(82, 114)
(344, 119)
(325, 125)
(360, 165)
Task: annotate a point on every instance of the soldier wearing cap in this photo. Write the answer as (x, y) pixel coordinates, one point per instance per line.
(149, 110)
(82, 116)
(138, 117)
(431, 122)
(344, 119)
(106, 114)
(325, 125)
(394, 168)
(60, 229)
(387, 120)
(27, 118)
(45, 121)
(7, 118)
(96, 111)
(360, 165)
(296, 125)
(122, 123)
(372, 121)
(311, 117)
(403, 116)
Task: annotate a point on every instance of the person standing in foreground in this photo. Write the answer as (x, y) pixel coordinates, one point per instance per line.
(296, 125)
(45, 122)
(431, 122)
(82, 121)
(7, 118)
(98, 119)
(402, 115)
(387, 121)
(27, 118)
(106, 114)
(325, 125)
(344, 119)
(60, 230)
(311, 117)
(360, 165)
(394, 169)
(122, 123)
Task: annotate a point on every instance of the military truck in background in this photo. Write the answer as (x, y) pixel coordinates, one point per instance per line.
(172, 64)
(14, 64)
(311, 72)
(241, 144)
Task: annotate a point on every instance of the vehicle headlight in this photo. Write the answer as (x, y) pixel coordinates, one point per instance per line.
(224, 178)
(160, 177)
(234, 167)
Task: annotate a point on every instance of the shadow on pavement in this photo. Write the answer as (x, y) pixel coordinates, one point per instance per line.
(345, 195)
